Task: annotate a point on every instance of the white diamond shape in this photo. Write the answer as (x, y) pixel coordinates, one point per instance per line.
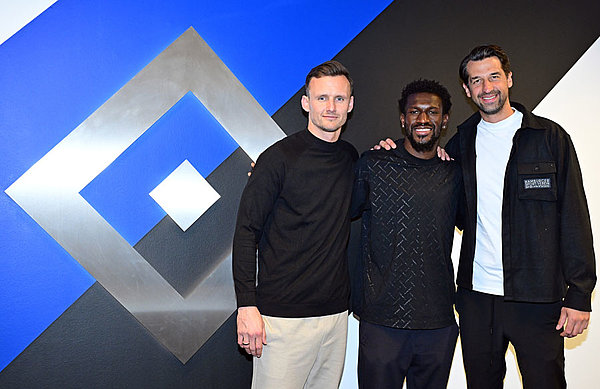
(185, 195)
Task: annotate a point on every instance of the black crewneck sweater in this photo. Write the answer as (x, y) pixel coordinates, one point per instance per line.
(295, 210)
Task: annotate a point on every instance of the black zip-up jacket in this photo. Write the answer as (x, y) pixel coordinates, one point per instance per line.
(547, 246)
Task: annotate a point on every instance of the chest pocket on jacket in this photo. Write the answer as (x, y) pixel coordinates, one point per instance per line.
(537, 181)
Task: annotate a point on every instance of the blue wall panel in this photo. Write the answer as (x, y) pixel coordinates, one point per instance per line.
(68, 61)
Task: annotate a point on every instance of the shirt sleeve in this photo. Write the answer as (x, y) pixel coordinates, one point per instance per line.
(461, 205)
(256, 204)
(453, 147)
(453, 150)
(576, 242)
(360, 190)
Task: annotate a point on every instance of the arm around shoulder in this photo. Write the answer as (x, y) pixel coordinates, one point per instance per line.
(452, 148)
(360, 189)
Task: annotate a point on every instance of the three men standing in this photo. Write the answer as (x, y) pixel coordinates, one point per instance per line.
(526, 270)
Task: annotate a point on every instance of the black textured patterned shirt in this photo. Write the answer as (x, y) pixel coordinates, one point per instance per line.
(409, 209)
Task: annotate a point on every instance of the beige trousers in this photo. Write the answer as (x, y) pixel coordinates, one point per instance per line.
(302, 353)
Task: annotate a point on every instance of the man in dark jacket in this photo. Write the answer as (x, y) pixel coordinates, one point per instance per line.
(527, 266)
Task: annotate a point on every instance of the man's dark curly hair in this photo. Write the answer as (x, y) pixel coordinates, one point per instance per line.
(426, 86)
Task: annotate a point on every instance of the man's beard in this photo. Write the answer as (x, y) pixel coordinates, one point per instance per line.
(427, 146)
(491, 110)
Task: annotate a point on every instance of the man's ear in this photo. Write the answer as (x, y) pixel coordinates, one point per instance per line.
(467, 91)
(509, 79)
(402, 119)
(351, 105)
(304, 102)
(445, 120)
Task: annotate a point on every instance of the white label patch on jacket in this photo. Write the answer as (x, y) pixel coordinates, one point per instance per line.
(537, 183)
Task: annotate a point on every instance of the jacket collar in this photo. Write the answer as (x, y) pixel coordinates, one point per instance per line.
(529, 120)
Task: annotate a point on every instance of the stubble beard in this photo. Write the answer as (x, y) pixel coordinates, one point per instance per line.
(494, 109)
(421, 147)
(321, 126)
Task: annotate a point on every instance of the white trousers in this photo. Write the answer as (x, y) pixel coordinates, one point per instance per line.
(302, 353)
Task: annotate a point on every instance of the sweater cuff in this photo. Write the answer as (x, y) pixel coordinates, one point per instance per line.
(246, 299)
(577, 300)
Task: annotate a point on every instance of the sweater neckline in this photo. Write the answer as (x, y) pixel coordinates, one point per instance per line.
(319, 143)
(402, 152)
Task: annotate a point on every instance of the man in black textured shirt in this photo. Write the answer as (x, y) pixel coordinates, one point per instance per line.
(295, 210)
(408, 199)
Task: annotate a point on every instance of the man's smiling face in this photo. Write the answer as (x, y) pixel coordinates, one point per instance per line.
(423, 121)
(488, 87)
(328, 103)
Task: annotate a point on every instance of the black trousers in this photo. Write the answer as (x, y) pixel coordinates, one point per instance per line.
(387, 356)
(488, 324)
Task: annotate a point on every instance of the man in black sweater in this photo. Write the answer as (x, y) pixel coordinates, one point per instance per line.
(294, 209)
(408, 199)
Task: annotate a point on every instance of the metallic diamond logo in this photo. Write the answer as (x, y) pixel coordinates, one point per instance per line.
(185, 195)
(49, 190)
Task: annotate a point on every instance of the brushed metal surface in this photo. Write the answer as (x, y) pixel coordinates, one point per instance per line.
(49, 190)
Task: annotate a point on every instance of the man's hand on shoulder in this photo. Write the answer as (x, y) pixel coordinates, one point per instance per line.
(387, 144)
(251, 330)
(443, 155)
(572, 321)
